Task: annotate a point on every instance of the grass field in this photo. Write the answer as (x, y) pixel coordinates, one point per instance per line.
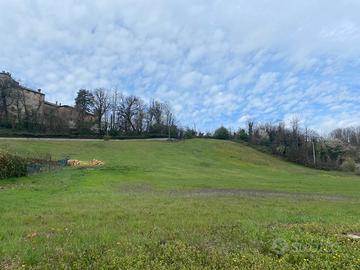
(192, 204)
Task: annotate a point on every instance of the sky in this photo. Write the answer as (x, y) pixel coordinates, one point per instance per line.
(215, 62)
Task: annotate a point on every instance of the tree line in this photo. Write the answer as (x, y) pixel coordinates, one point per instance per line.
(96, 112)
(339, 150)
(102, 112)
(118, 114)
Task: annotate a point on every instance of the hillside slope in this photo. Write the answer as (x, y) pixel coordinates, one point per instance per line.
(176, 205)
(194, 163)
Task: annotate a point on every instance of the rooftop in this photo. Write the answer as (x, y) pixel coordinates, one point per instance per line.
(4, 74)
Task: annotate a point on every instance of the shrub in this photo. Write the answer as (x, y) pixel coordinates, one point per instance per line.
(242, 135)
(107, 138)
(348, 165)
(357, 169)
(189, 133)
(222, 133)
(12, 166)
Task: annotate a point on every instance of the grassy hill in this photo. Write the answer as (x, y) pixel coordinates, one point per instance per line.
(176, 205)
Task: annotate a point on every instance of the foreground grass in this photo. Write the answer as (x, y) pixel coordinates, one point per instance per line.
(176, 205)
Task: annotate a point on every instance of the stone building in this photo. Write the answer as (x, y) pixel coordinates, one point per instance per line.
(18, 102)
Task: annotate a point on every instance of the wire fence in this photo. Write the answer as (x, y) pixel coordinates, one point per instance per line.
(44, 165)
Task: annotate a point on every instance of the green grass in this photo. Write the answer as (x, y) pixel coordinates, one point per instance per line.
(176, 205)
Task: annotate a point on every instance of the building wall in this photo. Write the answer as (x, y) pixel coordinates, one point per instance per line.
(69, 115)
(50, 116)
(22, 103)
(31, 103)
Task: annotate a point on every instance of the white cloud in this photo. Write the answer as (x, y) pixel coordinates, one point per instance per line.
(219, 61)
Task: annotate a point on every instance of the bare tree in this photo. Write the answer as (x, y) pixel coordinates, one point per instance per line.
(113, 107)
(170, 120)
(155, 112)
(7, 85)
(31, 112)
(101, 106)
(130, 111)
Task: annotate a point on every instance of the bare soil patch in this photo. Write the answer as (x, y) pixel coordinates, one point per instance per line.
(208, 192)
(137, 188)
(258, 193)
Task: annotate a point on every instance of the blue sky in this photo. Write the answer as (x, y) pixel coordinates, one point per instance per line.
(215, 62)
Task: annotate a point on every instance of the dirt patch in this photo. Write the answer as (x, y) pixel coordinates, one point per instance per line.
(253, 193)
(9, 263)
(137, 188)
(258, 193)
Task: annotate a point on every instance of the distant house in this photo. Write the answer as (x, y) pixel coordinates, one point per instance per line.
(19, 102)
(70, 115)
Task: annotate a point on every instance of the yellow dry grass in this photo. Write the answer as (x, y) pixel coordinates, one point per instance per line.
(81, 163)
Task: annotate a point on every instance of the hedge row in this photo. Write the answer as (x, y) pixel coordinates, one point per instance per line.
(12, 166)
(79, 136)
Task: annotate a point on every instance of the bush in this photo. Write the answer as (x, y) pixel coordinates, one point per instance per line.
(12, 166)
(357, 169)
(242, 135)
(348, 165)
(107, 138)
(222, 133)
(189, 133)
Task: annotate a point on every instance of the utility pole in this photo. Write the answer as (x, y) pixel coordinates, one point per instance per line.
(314, 154)
(169, 123)
(169, 131)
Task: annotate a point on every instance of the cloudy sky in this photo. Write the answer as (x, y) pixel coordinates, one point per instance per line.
(216, 62)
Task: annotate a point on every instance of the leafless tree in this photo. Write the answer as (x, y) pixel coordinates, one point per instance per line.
(170, 119)
(31, 112)
(130, 111)
(7, 85)
(101, 106)
(155, 112)
(113, 108)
